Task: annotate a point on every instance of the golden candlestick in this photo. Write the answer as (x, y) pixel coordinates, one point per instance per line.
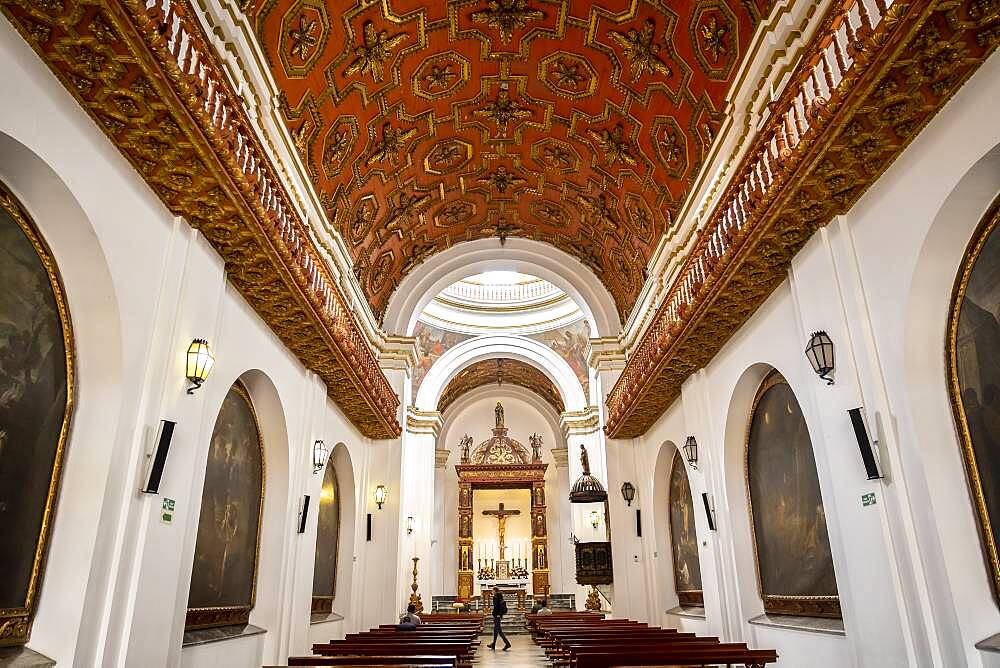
(415, 597)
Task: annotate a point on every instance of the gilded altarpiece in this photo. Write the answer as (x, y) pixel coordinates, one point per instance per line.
(500, 462)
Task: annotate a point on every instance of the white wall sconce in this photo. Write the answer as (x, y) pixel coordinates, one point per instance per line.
(380, 496)
(819, 352)
(320, 453)
(200, 361)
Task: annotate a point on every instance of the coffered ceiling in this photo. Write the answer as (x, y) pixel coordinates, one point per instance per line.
(581, 124)
(501, 371)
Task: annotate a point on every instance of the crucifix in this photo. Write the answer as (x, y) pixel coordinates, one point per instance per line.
(501, 516)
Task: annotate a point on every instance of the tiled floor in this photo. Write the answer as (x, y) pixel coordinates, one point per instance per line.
(523, 653)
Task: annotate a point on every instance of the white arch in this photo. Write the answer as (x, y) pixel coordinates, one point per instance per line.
(522, 255)
(526, 350)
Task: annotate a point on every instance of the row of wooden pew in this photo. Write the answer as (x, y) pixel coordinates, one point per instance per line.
(442, 640)
(586, 640)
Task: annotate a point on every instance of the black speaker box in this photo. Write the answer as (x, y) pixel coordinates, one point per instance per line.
(869, 454)
(154, 471)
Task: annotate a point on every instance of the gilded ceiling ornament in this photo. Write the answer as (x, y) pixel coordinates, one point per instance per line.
(503, 110)
(376, 48)
(418, 253)
(404, 210)
(670, 147)
(300, 137)
(363, 218)
(456, 213)
(568, 74)
(615, 144)
(303, 38)
(642, 50)
(549, 213)
(501, 179)
(393, 141)
(440, 77)
(446, 155)
(599, 210)
(557, 156)
(336, 148)
(502, 230)
(713, 38)
(641, 218)
(506, 15)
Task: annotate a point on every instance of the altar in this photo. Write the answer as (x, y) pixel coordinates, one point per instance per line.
(510, 486)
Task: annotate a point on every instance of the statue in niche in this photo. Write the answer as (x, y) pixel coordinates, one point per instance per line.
(465, 561)
(539, 495)
(465, 533)
(536, 444)
(540, 556)
(465, 444)
(499, 413)
(539, 524)
(465, 498)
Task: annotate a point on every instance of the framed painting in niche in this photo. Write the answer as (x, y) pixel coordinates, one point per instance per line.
(973, 358)
(327, 543)
(224, 577)
(683, 536)
(36, 407)
(792, 552)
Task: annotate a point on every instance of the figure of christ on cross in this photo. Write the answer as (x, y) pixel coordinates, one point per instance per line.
(501, 516)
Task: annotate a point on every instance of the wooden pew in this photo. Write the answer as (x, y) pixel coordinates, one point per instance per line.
(418, 661)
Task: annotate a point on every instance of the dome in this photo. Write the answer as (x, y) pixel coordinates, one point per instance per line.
(587, 488)
(500, 449)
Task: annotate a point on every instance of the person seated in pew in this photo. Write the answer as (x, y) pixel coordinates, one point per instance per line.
(543, 608)
(410, 620)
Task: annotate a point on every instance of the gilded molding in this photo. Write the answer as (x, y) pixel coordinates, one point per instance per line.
(895, 77)
(152, 83)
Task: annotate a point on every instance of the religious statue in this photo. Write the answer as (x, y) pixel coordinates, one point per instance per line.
(465, 562)
(465, 444)
(539, 524)
(540, 556)
(465, 533)
(466, 498)
(584, 459)
(499, 414)
(501, 516)
(539, 495)
(536, 443)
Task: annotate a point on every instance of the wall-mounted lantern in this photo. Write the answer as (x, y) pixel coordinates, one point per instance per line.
(628, 492)
(409, 525)
(819, 352)
(200, 361)
(691, 451)
(380, 496)
(319, 456)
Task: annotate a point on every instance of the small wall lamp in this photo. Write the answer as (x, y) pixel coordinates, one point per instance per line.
(819, 352)
(319, 456)
(691, 451)
(595, 519)
(628, 492)
(200, 361)
(380, 496)
(409, 525)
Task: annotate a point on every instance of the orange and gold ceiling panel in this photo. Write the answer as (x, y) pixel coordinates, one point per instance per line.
(501, 371)
(582, 124)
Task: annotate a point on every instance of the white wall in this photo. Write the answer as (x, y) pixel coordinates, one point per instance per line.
(140, 285)
(912, 581)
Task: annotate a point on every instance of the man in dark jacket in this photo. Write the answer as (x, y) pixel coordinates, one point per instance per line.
(499, 610)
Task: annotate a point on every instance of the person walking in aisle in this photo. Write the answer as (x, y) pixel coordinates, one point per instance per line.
(499, 610)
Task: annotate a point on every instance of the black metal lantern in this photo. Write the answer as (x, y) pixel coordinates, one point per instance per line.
(691, 451)
(820, 355)
(628, 492)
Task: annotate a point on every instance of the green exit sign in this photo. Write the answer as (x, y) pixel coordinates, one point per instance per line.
(868, 499)
(167, 511)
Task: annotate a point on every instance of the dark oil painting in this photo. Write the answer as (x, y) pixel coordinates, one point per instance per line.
(35, 405)
(794, 562)
(327, 537)
(225, 556)
(974, 343)
(683, 537)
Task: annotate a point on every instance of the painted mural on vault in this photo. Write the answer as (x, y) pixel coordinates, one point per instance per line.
(572, 343)
(432, 342)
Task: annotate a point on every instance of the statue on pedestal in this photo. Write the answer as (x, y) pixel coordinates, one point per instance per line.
(499, 413)
(536, 444)
(465, 444)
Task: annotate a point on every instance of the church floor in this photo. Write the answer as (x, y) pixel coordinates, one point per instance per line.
(523, 653)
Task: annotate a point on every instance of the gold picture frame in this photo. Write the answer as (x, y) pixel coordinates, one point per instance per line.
(973, 250)
(781, 604)
(684, 596)
(230, 615)
(15, 623)
(323, 603)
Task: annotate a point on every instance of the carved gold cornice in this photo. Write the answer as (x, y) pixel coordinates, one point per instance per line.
(150, 80)
(859, 96)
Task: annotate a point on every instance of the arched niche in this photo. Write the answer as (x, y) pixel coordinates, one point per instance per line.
(973, 360)
(341, 458)
(37, 394)
(326, 560)
(793, 559)
(224, 575)
(526, 256)
(93, 309)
